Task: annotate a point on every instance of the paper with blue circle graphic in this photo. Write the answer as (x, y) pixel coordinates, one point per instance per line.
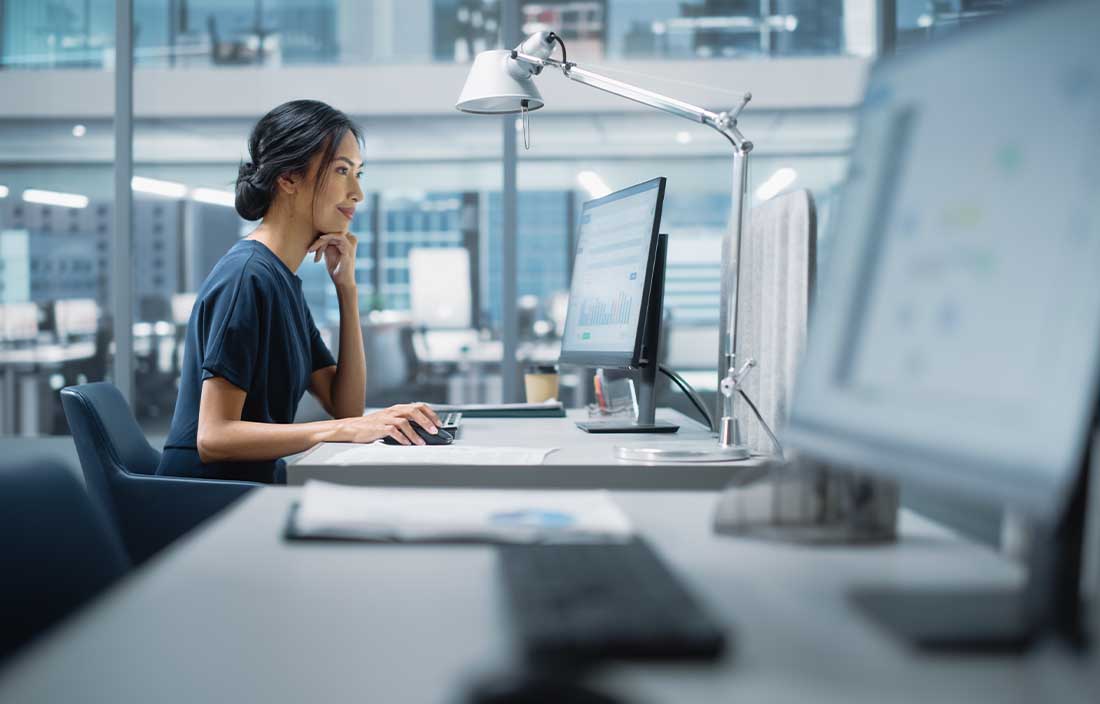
(430, 515)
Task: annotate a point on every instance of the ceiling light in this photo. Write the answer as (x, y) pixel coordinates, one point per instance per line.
(4, 191)
(169, 189)
(79, 130)
(65, 200)
(683, 137)
(773, 186)
(214, 196)
(592, 183)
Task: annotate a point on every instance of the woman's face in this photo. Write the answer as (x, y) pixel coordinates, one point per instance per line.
(338, 191)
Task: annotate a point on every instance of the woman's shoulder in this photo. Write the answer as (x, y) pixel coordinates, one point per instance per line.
(239, 268)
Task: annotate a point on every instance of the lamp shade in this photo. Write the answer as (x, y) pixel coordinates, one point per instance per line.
(492, 89)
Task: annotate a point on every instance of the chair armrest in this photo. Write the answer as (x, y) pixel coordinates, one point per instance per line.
(155, 510)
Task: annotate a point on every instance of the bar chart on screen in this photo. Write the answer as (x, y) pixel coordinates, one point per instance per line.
(948, 254)
(599, 311)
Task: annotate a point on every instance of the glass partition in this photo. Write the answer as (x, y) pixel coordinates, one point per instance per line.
(182, 34)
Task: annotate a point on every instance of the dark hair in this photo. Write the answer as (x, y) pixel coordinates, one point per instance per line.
(283, 142)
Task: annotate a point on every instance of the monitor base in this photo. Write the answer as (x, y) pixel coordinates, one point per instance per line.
(621, 426)
(803, 501)
(952, 620)
(683, 452)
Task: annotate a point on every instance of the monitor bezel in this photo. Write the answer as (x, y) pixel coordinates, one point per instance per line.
(618, 359)
(827, 437)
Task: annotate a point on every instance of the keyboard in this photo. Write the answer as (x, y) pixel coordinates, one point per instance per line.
(451, 421)
(593, 602)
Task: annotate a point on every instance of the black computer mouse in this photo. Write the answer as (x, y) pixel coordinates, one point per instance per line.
(442, 437)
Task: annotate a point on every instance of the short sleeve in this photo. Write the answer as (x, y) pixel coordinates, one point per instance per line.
(319, 351)
(233, 320)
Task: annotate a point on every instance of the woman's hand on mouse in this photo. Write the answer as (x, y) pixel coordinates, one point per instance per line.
(338, 249)
(395, 422)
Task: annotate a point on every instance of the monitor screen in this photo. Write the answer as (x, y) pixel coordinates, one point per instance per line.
(76, 316)
(18, 322)
(612, 269)
(439, 284)
(955, 338)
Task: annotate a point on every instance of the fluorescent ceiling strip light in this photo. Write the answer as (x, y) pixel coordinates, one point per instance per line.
(65, 200)
(773, 186)
(591, 182)
(214, 196)
(169, 189)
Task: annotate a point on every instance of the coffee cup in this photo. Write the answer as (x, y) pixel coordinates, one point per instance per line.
(541, 382)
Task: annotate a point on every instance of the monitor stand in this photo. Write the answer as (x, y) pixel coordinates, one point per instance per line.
(1003, 620)
(647, 381)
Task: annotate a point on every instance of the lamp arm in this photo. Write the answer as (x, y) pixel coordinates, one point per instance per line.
(725, 123)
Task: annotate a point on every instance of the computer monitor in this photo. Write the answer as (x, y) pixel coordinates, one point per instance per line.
(617, 293)
(18, 322)
(612, 266)
(75, 317)
(181, 304)
(440, 286)
(954, 340)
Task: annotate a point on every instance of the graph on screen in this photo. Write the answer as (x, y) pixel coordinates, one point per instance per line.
(950, 301)
(609, 271)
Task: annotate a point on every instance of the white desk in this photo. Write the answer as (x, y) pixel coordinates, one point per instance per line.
(582, 460)
(234, 613)
(16, 361)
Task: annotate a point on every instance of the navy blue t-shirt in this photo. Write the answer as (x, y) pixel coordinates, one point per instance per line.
(250, 326)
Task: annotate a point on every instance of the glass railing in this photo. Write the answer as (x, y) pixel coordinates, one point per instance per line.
(273, 33)
(919, 21)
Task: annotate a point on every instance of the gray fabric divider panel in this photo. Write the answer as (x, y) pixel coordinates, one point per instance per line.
(777, 278)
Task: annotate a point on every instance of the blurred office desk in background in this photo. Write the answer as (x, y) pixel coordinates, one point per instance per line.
(22, 368)
(234, 613)
(465, 346)
(28, 363)
(581, 461)
(471, 366)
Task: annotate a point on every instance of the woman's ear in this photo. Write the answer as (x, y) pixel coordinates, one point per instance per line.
(288, 183)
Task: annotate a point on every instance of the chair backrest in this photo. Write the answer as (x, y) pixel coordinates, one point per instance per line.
(57, 550)
(778, 261)
(107, 436)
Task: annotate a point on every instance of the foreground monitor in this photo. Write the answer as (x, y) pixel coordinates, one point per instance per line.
(955, 339)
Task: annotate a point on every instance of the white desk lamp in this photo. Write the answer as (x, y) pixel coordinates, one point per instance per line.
(500, 82)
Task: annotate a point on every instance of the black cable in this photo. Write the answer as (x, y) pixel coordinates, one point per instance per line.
(768, 430)
(690, 393)
(555, 38)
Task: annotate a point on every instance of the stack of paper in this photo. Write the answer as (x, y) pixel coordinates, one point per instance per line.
(464, 455)
(495, 515)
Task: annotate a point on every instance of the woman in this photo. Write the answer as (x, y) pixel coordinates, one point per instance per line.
(252, 349)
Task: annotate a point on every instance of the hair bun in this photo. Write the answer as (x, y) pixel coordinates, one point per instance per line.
(252, 200)
(246, 170)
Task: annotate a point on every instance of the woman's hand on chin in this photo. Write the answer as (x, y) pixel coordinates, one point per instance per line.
(338, 249)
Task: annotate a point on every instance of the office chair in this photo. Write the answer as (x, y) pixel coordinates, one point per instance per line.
(779, 258)
(120, 467)
(395, 373)
(390, 377)
(57, 550)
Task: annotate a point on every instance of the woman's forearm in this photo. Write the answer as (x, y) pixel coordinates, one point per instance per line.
(242, 441)
(349, 385)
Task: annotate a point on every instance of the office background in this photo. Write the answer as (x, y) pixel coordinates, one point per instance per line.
(205, 70)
